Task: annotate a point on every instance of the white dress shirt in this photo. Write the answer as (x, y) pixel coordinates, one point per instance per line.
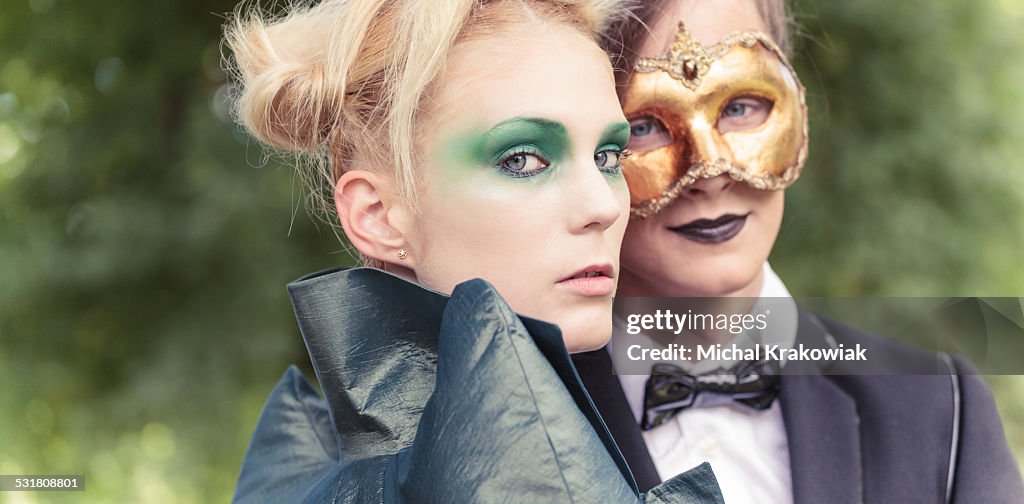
(747, 448)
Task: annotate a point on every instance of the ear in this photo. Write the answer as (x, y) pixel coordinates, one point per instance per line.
(374, 218)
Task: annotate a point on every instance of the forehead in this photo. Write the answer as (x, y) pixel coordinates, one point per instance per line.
(542, 69)
(708, 21)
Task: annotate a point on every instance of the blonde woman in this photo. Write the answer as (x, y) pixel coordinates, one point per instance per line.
(452, 140)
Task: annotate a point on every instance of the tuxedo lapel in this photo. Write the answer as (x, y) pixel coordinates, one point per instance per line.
(822, 429)
(824, 441)
(595, 370)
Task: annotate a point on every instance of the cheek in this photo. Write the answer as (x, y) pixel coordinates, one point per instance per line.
(770, 208)
(467, 232)
(621, 224)
(638, 242)
(767, 208)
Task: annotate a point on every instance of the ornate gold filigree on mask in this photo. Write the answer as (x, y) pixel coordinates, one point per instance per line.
(686, 89)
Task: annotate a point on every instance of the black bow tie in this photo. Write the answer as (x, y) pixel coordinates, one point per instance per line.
(670, 390)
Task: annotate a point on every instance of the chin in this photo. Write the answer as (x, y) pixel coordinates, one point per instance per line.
(589, 343)
(586, 337)
(722, 277)
(719, 287)
(585, 323)
(700, 277)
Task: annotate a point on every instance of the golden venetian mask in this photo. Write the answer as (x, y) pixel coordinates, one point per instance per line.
(682, 97)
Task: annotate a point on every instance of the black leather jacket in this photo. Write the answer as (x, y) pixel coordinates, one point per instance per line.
(435, 399)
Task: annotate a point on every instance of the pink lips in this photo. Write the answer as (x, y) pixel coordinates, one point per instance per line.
(594, 280)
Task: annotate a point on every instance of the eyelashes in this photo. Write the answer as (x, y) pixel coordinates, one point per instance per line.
(609, 158)
(528, 160)
(522, 161)
(743, 113)
(648, 133)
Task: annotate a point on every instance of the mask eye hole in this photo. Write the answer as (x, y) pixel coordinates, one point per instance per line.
(744, 113)
(647, 133)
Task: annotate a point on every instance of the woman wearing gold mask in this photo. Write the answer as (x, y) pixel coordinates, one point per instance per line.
(719, 130)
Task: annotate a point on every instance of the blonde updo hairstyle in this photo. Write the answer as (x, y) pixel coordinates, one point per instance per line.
(339, 84)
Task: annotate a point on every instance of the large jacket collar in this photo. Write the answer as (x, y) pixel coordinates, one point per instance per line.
(425, 388)
(372, 337)
(367, 331)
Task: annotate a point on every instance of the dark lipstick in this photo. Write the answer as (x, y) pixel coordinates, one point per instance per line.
(712, 231)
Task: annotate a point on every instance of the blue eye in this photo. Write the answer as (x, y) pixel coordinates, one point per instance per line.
(522, 161)
(609, 160)
(645, 126)
(744, 113)
(735, 109)
(647, 133)
(641, 129)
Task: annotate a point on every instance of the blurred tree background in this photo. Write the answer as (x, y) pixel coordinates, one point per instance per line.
(145, 241)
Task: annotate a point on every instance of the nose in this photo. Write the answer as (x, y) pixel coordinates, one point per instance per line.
(708, 187)
(708, 147)
(595, 203)
(707, 144)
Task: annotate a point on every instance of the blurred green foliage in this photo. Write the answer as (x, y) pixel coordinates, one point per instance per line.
(145, 242)
(144, 247)
(914, 184)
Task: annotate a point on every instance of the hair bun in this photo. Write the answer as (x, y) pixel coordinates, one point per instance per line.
(282, 95)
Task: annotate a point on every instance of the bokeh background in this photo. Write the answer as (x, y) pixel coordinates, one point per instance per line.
(145, 241)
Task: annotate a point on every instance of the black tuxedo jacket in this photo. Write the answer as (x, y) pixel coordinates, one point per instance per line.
(898, 438)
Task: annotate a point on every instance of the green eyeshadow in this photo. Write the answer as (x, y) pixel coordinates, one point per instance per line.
(485, 148)
(616, 134)
(544, 137)
(549, 136)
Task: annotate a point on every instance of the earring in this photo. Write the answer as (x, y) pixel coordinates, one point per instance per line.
(402, 254)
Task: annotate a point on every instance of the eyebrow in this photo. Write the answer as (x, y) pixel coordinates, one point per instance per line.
(614, 132)
(518, 122)
(551, 136)
(617, 132)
